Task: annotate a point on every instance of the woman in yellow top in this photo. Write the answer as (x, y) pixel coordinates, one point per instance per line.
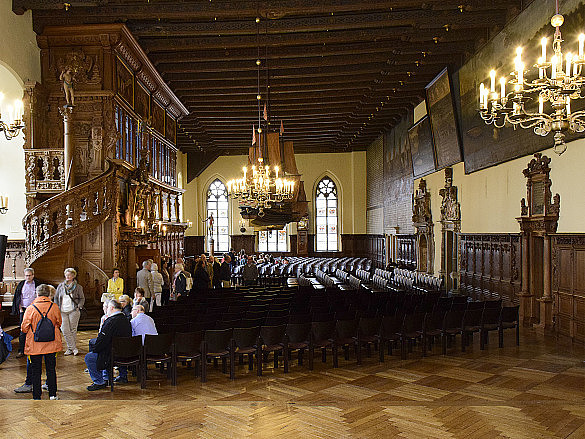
(116, 285)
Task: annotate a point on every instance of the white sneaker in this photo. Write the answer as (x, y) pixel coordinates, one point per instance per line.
(75, 351)
(52, 398)
(68, 352)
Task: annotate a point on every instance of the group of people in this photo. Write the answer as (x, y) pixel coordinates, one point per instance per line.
(37, 305)
(47, 314)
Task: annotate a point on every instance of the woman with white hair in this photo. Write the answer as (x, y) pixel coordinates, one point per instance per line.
(70, 300)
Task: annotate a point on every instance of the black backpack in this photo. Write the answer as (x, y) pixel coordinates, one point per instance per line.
(45, 328)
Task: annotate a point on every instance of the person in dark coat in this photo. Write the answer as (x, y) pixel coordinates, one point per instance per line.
(200, 278)
(225, 272)
(20, 302)
(116, 325)
(216, 270)
(126, 303)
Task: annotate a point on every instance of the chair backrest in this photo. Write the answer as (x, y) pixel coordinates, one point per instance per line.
(472, 317)
(453, 319)
(126, 347)
(246, 337)
(158, 344)
(369, 325)
(490, 316)
(391, 325)
(413, 322)
(218, 340)
(188, 342)
(272, 335)
(298, 332)
(323, 330)
(510, 314)
(345, 328)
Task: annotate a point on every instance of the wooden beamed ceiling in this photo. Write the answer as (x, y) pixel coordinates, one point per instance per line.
(336, 72)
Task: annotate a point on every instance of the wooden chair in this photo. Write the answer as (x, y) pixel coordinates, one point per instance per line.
(218, 344)
(490, 320)
(412, 330)
(470, 324)
(247, 342)
(273, 340)
(509, 319)
(368, 333)
(188, 348)
(299, 339)
(451, 327)
(159, 349)
(126, 351)
(322, 333)
(345, 336)
(390, 330)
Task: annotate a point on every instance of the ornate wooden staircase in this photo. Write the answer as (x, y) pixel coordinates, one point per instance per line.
(52, 226)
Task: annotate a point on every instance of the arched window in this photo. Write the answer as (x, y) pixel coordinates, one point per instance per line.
(326, 215)
(217, 206)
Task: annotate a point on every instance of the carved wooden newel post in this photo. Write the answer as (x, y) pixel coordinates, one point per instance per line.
(538, 221)
(68, 145)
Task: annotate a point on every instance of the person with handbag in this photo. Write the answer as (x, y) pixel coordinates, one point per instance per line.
(24, 295)
(70, 300)
(41, 324)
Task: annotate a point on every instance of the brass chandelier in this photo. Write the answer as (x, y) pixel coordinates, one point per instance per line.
(559, 82)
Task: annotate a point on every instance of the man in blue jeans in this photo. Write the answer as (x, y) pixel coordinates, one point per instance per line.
(98, 359)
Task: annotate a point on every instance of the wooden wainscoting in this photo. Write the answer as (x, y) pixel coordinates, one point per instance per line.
(568, 261)
(491, 265)
(194, 245)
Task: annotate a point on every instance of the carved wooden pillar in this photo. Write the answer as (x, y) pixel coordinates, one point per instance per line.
(131, 268)
(538, 221)
(450, 223)
(69, 147)
(423, 224)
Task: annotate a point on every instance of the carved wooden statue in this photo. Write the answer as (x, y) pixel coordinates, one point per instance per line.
(67, 78)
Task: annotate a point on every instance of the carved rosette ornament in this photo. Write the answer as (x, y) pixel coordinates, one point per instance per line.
(423, 223)
(538, 220)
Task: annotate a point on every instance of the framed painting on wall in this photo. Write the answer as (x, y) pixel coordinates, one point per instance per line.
(421, 148)
(142, 101)
(124, 82)
(443, 121)
(158, 117)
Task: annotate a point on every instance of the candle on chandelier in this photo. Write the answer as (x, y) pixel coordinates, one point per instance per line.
(276, 169)
(568, 105)
(3, 201)
(165, 230)
(493, 80)
(554, 61)
(543, 44)
(569, 58)
(481, 96)
(135, 221)
(581, 42)
(540, 69)
(503, 88)
(159, 226)
(143, 226)
(245, 170)
(540, 104)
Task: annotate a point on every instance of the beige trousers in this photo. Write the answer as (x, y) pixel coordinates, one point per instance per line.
(69, 327)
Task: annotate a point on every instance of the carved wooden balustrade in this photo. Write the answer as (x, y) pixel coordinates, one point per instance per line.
(73, 213)
(45, 171)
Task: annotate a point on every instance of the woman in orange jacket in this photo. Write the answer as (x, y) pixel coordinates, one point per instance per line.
(39, 349)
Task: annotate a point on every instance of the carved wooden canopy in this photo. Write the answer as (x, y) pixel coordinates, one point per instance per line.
(340, 70)
(539, 210)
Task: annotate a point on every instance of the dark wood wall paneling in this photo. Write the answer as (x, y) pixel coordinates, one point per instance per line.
(491, 266)
(370, 246)
(568, 260)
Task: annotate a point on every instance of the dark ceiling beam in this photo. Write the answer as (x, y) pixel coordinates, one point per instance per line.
(421, 18)
(251, 53)
(174, 10)
(274, 42)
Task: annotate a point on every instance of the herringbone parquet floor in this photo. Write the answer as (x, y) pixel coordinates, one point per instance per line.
(536, 390)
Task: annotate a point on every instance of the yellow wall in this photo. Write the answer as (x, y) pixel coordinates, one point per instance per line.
(490, 199)
(348, 170)
(19, 63)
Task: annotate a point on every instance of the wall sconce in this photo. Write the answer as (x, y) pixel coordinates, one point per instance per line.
(14, 124)
(3, 204)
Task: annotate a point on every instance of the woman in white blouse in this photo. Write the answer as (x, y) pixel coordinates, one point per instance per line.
(70, 300)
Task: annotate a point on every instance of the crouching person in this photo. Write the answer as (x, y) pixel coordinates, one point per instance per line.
(116, 325)
(41, 323)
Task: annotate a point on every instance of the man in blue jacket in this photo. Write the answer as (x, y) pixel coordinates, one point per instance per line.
(116, 325)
